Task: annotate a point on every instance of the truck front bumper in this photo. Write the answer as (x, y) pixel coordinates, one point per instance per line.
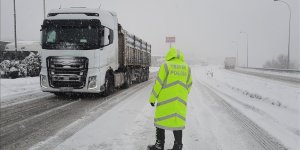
(93, 76)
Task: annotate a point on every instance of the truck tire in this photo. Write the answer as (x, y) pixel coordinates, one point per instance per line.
(147, 74)
(128, 80)
(141, 78)
(144, 75)
(109, 85)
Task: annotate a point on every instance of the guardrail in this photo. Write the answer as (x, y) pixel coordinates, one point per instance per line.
(294, 79)
(273, 69)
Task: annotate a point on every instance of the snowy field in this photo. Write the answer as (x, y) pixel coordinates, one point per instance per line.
(272, 105)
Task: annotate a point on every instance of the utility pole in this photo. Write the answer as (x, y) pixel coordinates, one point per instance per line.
(15, 28)
(247, 47)
(44, 8)
(0, 20)
(289, 39)
(237, 52)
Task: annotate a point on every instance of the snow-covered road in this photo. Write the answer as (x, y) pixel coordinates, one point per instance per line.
(272, 104)
(226, 110)
(212, 124)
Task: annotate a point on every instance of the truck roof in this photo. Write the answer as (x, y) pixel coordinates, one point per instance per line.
(107, 18)
(75, 10)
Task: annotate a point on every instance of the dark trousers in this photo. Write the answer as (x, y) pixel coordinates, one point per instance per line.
(160, 135)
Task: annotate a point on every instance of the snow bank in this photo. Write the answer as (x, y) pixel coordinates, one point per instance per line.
(285, 74)
(13, 87)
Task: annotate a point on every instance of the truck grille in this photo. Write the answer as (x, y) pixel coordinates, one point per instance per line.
(67, 71)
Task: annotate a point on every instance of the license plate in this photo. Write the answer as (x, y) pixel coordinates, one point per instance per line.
(66, 89)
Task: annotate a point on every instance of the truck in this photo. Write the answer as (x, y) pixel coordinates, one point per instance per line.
(87, 51)
(229, 62)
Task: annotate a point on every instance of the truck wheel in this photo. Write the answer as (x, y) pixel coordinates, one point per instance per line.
(147, 74)
(128, 81)
(143, 76)
(109, 86)
(138, 80)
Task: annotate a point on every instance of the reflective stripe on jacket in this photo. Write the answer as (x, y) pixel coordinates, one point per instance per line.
(170, 91)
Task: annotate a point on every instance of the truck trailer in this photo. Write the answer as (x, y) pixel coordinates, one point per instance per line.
(87, 51)
(229, 62)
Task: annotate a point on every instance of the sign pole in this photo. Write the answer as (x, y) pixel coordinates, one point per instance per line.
(170, 40)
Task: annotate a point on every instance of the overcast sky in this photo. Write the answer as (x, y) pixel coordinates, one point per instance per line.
(203, 29)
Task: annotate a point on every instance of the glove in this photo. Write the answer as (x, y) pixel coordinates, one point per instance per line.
(152, 104)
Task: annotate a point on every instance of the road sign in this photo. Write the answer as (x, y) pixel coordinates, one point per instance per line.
(170, 39)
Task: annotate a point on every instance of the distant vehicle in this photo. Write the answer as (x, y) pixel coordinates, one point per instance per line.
(229, 62)
(87, 51)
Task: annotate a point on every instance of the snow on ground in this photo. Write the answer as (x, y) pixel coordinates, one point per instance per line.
(285, 74)
(119, 128)
(129, 126)
(273, 105)
(13, 87)
(153, 69)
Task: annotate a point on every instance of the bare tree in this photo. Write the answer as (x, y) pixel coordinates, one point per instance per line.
(281, 62)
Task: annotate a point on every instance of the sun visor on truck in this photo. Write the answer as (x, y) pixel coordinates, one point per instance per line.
(75, 23)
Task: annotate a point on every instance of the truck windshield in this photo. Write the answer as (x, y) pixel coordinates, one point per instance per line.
(71, 34)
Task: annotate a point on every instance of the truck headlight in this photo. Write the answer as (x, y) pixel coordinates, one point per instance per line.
(92, 82)
(44, 81)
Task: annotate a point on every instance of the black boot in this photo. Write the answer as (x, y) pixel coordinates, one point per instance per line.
(159, 145)
(176, 146)
(160, 140)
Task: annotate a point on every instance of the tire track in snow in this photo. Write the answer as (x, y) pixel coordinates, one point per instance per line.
(25, 109)
(261, 136)
(94, 111)
(23, 98)
(211, 127)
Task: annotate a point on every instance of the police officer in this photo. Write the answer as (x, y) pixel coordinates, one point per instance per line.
(170, 93)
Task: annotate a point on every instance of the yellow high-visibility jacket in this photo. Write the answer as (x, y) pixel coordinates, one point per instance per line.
(170, 91)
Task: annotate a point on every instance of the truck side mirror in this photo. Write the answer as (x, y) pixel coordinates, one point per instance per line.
(111, 36)
(108, 37)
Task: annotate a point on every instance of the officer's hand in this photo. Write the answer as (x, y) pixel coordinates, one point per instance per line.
(152, 104)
